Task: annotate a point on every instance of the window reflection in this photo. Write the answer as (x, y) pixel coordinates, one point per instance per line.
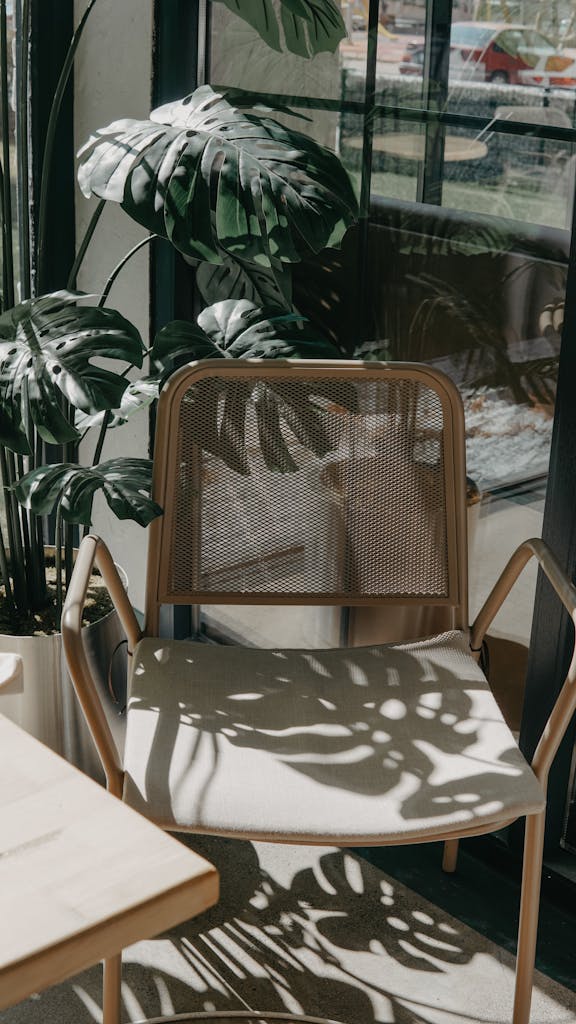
(461, 143)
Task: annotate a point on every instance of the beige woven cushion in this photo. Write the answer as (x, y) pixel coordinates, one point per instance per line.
(350, 746)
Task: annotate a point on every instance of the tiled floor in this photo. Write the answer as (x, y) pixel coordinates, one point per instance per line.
(321, 931)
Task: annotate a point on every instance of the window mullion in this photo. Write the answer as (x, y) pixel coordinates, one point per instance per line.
(434, 99)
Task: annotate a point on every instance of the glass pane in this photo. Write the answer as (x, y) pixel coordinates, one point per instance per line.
(464, 262)
(471, 277)
(240, 59)
(522, 176)
(397, 150)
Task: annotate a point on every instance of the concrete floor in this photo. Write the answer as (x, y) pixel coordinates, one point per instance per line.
(317, 931)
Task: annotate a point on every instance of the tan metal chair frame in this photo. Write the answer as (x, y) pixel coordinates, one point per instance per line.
(93, 552)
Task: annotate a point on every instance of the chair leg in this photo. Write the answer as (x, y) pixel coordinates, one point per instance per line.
(450, 857)
(528, 923)
(111, 990)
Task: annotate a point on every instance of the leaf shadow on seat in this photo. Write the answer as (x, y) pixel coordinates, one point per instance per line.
(346, 721)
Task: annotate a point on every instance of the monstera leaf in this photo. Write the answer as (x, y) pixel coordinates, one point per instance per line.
(238, 329)
(210, 177)
(263, 286)
(310, 26)
(125, 483)
(141, 393)
(46, 348)
(138, 395)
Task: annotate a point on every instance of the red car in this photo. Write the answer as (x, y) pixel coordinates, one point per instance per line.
(491, 52)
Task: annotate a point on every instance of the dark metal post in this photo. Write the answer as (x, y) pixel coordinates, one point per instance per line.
(177, 47)
(551, 629)
(434, 99)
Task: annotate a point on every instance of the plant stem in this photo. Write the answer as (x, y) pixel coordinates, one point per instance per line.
(105, 293)
(70, 455)
(120, 265)
(101, 437)
(68, 552)
(5, 569)
(3, 303)
(25, 521)
(34, 527)
(58, 560)
(50, 140)
(13, 526)
(71, 283)
(22, 154)
(7, 246)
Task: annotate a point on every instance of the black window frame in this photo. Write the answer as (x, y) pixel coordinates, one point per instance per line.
(51, 29)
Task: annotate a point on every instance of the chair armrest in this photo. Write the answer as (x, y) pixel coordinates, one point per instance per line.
(93, 551)
(565, 703)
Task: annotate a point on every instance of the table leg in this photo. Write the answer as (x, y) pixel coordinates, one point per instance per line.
(111, 989)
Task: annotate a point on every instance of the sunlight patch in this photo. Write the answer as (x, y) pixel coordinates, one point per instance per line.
(394, 709)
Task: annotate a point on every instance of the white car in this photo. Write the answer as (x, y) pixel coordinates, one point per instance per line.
(555, 72)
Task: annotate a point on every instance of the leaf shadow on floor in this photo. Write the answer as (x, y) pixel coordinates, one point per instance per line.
(312, 946)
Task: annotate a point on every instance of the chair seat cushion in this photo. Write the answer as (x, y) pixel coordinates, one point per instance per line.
(356, 746)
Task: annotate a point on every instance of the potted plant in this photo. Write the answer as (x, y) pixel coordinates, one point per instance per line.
(239, 196)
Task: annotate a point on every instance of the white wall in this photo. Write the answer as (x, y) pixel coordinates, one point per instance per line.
(113, 75)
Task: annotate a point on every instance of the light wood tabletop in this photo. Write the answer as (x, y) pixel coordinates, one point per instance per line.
(81, 875)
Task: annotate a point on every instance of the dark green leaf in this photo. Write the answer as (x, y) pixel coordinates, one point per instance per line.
(138, 395)
(216, 409)
(181, 338)
(241, 330)
(310, 26)
(263, 286)
(125, 483)
(260, 14)
(46, 351)
(12, 433)
(210, 177)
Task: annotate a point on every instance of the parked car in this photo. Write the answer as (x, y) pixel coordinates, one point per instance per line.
(555, 72)
(493, 52)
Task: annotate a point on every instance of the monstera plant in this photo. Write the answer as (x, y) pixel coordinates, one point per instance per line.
(240, 197)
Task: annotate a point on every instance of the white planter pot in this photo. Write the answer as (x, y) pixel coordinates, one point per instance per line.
(48, 708)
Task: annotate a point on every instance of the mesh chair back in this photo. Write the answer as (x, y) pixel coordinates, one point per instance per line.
(308, 483)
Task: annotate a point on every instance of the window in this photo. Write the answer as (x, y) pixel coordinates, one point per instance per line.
(458, 131)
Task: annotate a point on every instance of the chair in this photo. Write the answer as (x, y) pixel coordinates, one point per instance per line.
(531, 161)
(319, 483)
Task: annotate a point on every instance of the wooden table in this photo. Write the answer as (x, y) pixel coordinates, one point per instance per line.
(81, 875)
(410, 146)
